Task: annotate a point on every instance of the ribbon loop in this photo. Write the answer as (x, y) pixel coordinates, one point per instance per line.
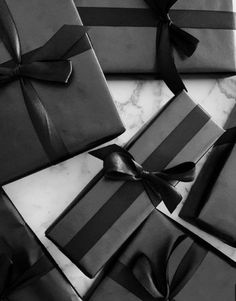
(120, 165)
(143, 271)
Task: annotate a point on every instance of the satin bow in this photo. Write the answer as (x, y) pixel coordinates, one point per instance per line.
(9, 285)
(119, 164)
(169, 35)
(48, 63)
(149, 279)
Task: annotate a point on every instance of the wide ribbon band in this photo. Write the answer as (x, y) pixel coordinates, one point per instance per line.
(48, 63)
(8, 286)
(120, 165)
(143, 17)
(141, 279)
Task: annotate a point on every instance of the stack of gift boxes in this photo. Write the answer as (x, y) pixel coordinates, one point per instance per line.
(55, 104)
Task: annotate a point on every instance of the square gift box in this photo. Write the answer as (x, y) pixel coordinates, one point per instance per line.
(211, 202)
(123, 33)
(27, 271)
(107, 212)
(55, 102)
(160, 263)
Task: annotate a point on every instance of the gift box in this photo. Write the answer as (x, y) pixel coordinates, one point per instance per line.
(211, 201)
(27, 271)
(161, 264)
(55, 102)
(124, 34)
(107, 211)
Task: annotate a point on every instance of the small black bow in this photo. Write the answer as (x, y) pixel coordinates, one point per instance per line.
(146, 275)
(169, 35)
(119, 164)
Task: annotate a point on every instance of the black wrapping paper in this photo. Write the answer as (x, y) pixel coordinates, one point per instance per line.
(27, 271)
(161, 263)
(211, 202)
(43, 120)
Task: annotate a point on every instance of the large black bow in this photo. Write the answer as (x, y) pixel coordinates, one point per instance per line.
(148, 278)
(119, 164)
(169, 35)
(47, 63)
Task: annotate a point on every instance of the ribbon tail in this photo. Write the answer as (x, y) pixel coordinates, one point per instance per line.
(53, 71)
(50, 139)
(165, 60)
(68, 41)
(159, 190)
(184, 42)
(8, 32)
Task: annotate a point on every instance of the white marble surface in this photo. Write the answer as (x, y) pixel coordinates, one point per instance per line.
(43, 196)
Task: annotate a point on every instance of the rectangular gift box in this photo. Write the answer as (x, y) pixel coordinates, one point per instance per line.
(43, 122)
(27, 270)
(106, 212)
(123, 33)
(211, 201)
(161, 264)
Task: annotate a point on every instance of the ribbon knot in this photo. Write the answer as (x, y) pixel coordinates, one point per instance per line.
(120, 165)
(165, 19)
(169, 36)
(16, 71)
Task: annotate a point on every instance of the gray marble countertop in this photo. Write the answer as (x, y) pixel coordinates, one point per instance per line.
(41, 197)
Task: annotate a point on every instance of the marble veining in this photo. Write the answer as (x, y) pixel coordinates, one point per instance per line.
(41, 197)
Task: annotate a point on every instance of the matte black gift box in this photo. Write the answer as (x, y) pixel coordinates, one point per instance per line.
(211, 203)
(123, 33)
(106, 212)
(161, 264)
(27, 271)
(81, 112)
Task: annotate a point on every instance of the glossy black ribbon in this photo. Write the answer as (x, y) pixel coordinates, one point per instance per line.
(7, 286)
(143, 281)
(120, 165)
(169, 36)
(48, 63)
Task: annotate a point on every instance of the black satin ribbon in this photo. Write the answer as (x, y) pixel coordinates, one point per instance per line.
(120, 165)
(143, 17)
(169, 36)
(8, 286)
(48, 63)
(142, 280)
